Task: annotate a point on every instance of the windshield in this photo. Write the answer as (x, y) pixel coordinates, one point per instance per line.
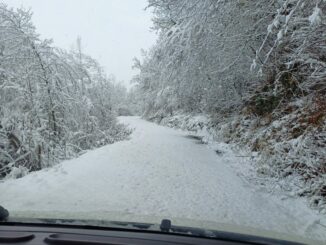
(208, 113)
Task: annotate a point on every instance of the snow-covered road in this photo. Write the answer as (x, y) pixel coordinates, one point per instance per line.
(159, 172)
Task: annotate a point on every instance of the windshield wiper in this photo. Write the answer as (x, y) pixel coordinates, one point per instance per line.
(4, 214)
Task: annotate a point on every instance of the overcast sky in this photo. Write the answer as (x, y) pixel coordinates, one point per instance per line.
(112, 31)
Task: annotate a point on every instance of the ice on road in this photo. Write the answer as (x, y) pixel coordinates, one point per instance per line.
(159, 172)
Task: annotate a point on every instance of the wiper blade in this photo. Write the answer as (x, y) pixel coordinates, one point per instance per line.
(4, 214)
(96, 224)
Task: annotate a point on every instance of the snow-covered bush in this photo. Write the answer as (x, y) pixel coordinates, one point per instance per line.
(293, 95)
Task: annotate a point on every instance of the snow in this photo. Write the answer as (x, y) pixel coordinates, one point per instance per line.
(159, 172)
(280, 35)
(315, 18)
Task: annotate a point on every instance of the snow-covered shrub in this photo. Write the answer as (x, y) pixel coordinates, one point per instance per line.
(295, 55)
(18, 172)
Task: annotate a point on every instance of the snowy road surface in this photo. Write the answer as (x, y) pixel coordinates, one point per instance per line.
(157, 173)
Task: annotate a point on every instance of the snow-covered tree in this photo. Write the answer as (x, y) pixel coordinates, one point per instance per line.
(53, 104)
(202, 58)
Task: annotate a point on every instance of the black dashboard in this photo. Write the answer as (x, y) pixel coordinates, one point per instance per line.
(17, 233)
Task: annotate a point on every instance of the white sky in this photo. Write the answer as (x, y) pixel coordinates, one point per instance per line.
(112, 31)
